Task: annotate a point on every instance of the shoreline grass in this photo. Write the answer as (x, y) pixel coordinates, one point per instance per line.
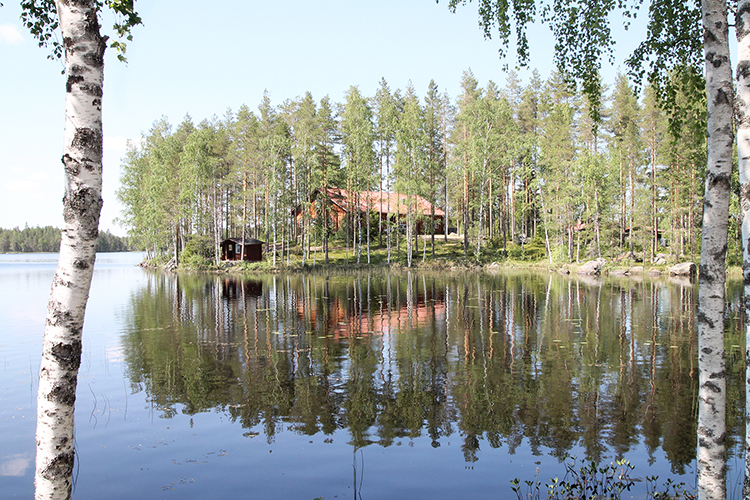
(449, 257)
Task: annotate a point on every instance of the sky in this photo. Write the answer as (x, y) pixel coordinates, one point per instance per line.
(191, 59)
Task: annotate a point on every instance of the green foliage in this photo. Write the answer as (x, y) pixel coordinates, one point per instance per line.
(559, 255)
(261, 266)
(496, 14)
(198, 253)
(200, 246)
(47, 239)
(40, 17)
(532, 251)
(673, 47)
(156, 260)
(108, 242)
(583, 37)
(340, 234)
(592, 480)
(30, 239)
(521, 160)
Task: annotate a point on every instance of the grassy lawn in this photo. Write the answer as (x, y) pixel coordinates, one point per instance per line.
(448, 254)
(339, 255)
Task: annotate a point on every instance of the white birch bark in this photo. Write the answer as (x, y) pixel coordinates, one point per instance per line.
(82, 159)
(742, 25)
(546, 231)
(409, 233)
(712, 392)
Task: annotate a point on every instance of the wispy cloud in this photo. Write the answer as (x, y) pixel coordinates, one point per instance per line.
(9, 34)
(14, 465)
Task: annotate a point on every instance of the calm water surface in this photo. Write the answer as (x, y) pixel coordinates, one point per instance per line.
(367, 386)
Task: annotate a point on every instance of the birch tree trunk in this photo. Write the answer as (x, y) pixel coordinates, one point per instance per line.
(712, 392)
(546, 224)
(743, 154)
(409, 230)
(82, 160)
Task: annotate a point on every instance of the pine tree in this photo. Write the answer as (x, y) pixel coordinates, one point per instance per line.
(386, 113)
(300, 115)
(411, 161)
(435, 168)
(246, 149)
(357, 135)
(462, 138)
(528, 116)
(557, 154)
(627, 152)
(328, 165)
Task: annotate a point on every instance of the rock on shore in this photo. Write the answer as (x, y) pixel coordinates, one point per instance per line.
(592, 267)
(683, 269)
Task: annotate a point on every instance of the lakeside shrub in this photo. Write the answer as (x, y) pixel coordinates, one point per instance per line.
(592, 480)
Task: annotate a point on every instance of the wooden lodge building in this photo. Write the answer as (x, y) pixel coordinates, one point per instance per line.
(231, 249)
(388, 206)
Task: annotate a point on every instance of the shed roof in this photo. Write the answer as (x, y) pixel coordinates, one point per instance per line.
(248, 241)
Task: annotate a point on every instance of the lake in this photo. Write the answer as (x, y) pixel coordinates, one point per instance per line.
(366, 385)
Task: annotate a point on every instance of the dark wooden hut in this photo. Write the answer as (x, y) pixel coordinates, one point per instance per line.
(233, 289)
(231, 249)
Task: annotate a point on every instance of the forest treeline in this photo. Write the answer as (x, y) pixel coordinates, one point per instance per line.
(521, 163)
(47, 239)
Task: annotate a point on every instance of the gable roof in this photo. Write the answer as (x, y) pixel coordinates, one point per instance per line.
(380, 201)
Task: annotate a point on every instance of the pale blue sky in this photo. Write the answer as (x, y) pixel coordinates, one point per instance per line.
(189, 58)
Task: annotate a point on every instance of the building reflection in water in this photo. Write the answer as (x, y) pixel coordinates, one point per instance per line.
(546, 362)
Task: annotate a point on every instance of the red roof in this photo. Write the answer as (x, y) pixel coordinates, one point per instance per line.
(380, 201)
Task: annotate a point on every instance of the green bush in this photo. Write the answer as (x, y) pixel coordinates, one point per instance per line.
(198, 253)
(193, 261)
(593, 480)
(158, 260)
(533, 250)
(202, 246)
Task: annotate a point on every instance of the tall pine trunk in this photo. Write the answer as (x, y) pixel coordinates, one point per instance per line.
(711, 452)
(369, 211)
(244, 212)
(325, 225)
(466, 197)
(631, 213)
(82, 159)
(446, 220)
(432, 227)
(654, 213)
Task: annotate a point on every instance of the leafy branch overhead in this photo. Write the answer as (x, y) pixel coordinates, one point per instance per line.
(583, 38)
(40, 17)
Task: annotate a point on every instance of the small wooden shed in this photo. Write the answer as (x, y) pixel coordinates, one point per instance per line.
(231, 249)
(233, 289)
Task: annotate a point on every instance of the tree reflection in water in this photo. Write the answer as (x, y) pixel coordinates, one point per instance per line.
(547, 362)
